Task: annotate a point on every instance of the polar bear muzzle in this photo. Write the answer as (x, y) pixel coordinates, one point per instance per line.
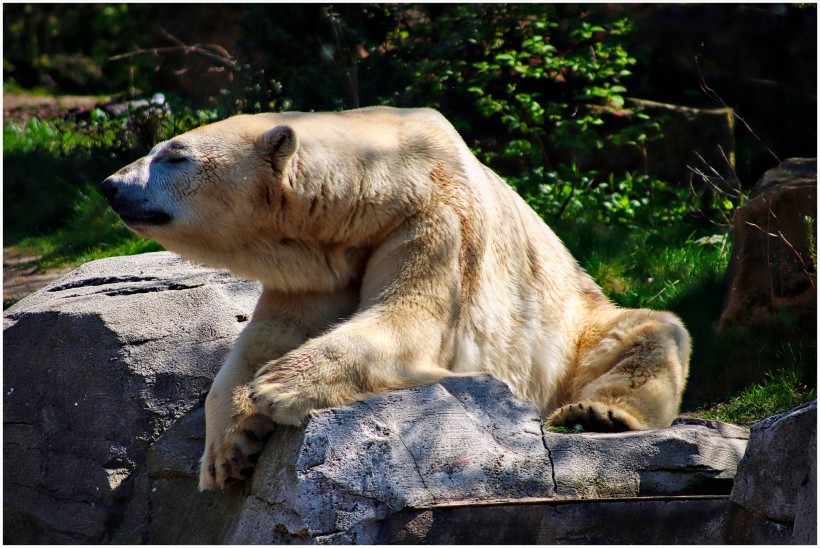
(131, 212)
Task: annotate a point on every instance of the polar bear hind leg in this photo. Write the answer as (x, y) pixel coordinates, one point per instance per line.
(631, 372)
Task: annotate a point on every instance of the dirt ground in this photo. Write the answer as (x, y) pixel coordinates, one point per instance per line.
(21, 275)
(19, 108)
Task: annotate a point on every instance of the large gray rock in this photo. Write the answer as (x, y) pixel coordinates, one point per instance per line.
(776, 483)
(105, 375)
(354, 473)
(700, 138)
(692, 457)
(96, 367)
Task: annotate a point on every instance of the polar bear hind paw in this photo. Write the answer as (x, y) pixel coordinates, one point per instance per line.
(594, 416)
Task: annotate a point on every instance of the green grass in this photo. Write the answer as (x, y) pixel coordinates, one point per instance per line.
(782, 391)
(92, 231)
(12, 87)
(49, 172)
(52, 206)
(561, 429)
(681, 269)
(647, 267)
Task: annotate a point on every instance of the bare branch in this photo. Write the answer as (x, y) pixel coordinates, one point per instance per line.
(214, 52)
(713, 94)
(799, 257)
(761, 229)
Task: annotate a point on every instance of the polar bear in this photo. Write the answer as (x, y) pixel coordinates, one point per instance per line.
(389, 257)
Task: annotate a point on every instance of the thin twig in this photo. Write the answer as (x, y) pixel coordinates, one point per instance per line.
(225, 58)
(735, 179)
(799, 257)
(761, 229)
(343, 47)
(713, 94)
(664, 288)
(172, 38)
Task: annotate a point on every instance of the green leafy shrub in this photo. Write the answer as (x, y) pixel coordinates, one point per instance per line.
(531, 88)
(65, 47)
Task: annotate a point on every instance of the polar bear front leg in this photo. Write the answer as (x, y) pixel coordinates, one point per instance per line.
(235, 435)
(357, 359)
(632, 377)
(235, 431)
(400, 336)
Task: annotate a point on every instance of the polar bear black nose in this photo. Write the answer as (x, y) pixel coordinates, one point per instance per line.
(108, 189)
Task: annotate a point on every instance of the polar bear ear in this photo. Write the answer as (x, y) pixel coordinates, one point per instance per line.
(281, 143)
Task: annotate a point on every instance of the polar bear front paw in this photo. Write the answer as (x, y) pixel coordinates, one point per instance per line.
(233, 455)
(277, 394)
(594, 416)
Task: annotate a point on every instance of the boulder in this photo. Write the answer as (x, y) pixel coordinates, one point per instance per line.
(771, 272)
(105, 376)
(96, 367)
(776, 484)
(691, 138)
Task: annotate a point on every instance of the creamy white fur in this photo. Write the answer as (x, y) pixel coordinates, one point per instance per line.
(389, 257)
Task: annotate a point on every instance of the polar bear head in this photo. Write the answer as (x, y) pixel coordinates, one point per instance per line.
(275, 196)
(194, 189)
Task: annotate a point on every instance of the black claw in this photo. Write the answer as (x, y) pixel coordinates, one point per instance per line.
(581, 406)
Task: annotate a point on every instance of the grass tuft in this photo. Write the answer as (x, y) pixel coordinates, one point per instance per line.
(782, 391)
(561, 429)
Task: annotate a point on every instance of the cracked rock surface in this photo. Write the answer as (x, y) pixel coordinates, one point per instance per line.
(463, 441)
(105, 373)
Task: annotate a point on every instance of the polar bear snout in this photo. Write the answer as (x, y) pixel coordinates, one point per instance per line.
(132, 211)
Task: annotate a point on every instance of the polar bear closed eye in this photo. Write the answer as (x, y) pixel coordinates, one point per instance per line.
(389, 257)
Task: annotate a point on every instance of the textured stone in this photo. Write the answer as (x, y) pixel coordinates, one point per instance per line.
(464, 448)
(805, 520)
(777, 479)
(96, 367)
(636, 521)
(692, 457)
(688, 138)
